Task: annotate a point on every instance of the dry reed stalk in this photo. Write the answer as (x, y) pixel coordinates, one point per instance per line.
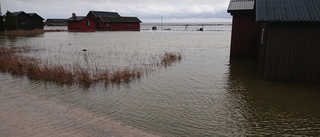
(102, 76)
(116, 77)
(56, 73)
(25, 32)
(169, 58)
(85, 77)
(34, 71)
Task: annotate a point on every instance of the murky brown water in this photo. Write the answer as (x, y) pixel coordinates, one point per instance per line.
(205, 94)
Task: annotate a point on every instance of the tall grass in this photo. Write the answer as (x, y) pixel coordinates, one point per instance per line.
(170, 57)
(12, 62)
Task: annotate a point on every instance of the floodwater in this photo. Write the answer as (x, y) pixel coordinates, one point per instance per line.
(206, 94)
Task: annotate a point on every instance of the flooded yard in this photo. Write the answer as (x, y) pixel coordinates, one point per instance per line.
(204, 94)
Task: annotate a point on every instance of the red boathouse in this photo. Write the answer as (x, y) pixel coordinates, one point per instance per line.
(284, 36)
(81, 23)
(104, 21)
(245, 31)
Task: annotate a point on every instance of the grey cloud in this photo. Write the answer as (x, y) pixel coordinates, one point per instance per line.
(144, 9)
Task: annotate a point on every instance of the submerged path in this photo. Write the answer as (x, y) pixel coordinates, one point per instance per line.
(25, 115)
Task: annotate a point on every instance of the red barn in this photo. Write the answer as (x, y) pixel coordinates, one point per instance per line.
(81, 23)
(119, 23)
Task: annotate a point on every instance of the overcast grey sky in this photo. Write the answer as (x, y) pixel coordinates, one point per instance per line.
(144, 9)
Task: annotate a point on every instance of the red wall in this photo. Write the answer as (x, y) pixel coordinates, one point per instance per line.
(124, 26)
(82, 25)
(245, 36)
(73, 25)
(119, 26)
(101, 25)
(292, 52)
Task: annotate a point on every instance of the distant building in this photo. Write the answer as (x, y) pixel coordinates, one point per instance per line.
(1, 24)
(24, 20)
(81, 23)
(37, 20)
(111, 21)
(94, 15)
(29, 21)
(283, 35)
(57, 22)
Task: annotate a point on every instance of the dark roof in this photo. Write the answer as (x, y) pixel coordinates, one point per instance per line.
(288, 10)
(29, 14)
(78, 18)
(35, 14)
(57, 20)
(18, 13)
(241, 5)
(104, 13)
(120, 19)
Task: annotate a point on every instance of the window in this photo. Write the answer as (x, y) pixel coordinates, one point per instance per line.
(107, 24)
(262, 36)
(88, 23)
(129, 24)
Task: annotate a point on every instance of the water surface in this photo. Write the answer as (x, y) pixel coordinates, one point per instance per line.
(206, 94)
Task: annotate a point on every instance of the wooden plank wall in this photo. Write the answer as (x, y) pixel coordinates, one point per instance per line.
(245, 37)
(1, 24)
(292, 52)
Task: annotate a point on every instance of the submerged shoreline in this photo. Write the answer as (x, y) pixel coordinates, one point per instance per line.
(23, 114)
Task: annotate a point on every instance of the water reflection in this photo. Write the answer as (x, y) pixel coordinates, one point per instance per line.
(271, 107)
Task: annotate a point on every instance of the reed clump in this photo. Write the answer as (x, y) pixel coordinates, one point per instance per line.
(12, 62)
(170, 57)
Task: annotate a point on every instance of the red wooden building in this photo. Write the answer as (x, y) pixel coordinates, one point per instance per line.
(245, 31)
(81, 23)
(284, 36)
(104, 21)
(94, 15)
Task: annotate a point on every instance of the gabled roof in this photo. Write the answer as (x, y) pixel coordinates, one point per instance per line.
(104, 13)
(120, 19)
(34, 15)
(241, 5)
(29, 14)
(78, 18)
(19, 12)
(288, 10)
